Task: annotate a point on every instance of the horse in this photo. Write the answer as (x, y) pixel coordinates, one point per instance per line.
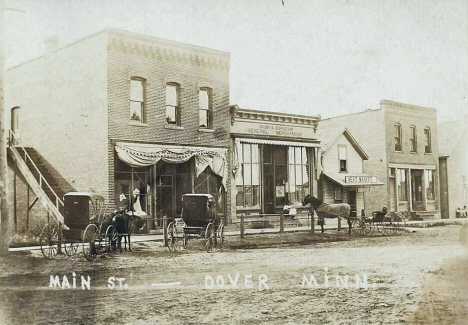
(342, 210)
(124, 224)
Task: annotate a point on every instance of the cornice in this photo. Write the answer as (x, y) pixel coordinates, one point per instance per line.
(406, 107)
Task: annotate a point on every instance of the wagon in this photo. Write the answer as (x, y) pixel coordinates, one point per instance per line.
(201, 222)
(387, 224)
(84, 225)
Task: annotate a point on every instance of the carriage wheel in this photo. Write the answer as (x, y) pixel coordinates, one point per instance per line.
(49, 240)
(220, 236)
(209, 237)
(172, 237)
(91, 242)
(361, 227)
(386, 226)
(111, 240)
(70, 248)
(400, 224)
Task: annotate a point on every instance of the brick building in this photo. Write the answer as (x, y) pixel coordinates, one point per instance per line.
(401, 141)
(343, 178)
(119, 111)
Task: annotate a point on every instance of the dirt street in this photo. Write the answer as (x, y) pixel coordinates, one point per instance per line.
(419, 278)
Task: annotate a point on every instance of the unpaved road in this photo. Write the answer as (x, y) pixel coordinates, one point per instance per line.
(420, 278)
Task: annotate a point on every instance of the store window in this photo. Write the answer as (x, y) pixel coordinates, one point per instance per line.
(338, 193)
(298, 175)
(413, 139)
(427, 140)
(397, 130)
(172, 104)
(137, 99)
(248, 178)
(343, 157)
(402, 184)
(430, 184)
(205, 108)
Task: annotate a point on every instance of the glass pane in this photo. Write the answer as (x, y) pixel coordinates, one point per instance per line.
(291, 155)
(248, 196)
(267, 154)
(247, 174)
(136, 90)
(304, 156)
(255, 174)
(240, 196)
(299, 176)
(171, 115)
(254, 153)
(171, 95)
(280, 154)
(239, 178)
(292, 179)
(203, 99)
(135, 111)
(305, 177)
(247, 151)
(203, 119)
(255, 196)
(280, 173)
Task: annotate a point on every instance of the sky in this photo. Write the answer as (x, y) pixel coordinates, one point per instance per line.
(310, 57)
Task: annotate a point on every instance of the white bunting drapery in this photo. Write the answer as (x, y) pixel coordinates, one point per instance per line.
(143, 155)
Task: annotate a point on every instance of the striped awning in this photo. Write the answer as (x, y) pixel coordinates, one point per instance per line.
(315, 143)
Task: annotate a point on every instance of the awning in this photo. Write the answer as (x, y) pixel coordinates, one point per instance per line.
(279, 142)
(353, 179)
(143, 155)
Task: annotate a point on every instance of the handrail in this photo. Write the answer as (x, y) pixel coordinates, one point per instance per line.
(41, 178)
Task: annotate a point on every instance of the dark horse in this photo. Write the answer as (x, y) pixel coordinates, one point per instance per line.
(124, 224)
(323, 209)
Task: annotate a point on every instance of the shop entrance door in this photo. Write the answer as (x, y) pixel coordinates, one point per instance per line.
(352, 203)
(274, 178)
(417, 189)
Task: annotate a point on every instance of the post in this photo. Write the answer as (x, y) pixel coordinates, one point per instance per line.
(242, 226)
(165, 231)
(60, 237)
(281, 222)
(339, 222)
(5, 218)
(312, 221)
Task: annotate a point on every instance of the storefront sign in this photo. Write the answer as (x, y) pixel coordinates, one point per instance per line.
(283, 131)
(360, 179)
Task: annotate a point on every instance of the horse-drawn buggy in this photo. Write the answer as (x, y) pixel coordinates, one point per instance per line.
(387, 224)
(84, 225)
(200, 222)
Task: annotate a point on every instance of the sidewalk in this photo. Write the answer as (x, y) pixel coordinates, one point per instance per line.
(330, 224)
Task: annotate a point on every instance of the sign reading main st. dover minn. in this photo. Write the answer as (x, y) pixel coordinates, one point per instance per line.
(269, 124)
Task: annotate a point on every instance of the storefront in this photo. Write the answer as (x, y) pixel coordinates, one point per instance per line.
(274, 161)
(157, 176)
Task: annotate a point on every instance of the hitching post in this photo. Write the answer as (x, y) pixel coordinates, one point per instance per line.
(165, 231)
(242, 226)
(339, 222)
(60, 238)
(312, 221)
(281, 222)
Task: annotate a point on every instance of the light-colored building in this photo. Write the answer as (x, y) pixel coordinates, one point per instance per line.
(453, 161)
(343, 178)
(401, 141)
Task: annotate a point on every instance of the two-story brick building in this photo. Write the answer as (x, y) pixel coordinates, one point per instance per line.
(401, 141)
(119, 111)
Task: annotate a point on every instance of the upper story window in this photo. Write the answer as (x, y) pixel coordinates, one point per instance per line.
(172, 104)
(342, 156)
(205, 115)
(137, 99)
(427, 140)
(413, 139)
(397, 130)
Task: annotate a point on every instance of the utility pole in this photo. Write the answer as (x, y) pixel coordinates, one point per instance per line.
(5, 220)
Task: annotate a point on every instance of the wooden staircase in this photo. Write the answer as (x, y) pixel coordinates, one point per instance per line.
(46, 183)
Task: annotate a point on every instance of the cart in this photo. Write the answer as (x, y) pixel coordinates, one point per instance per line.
(387, 224)
(200, 223)
(86, 225)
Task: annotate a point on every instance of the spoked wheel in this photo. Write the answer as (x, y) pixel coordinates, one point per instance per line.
(220, 236)
(111, 240)
(361, 227)
(400, 224)
(387, 227)
(172, 237)
(91, 242)
(209, 237)
(49, 241)
(70, 248)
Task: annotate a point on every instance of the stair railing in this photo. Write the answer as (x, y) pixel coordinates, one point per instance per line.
(12, 139)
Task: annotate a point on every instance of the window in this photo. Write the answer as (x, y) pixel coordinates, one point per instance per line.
(402, 184)
(397, 137)
(413, 140)
(338, 193)
(430, 177)
(15, 127)
(392, 182)
(205, 115)
(342, 156)
(298, 174)
(172, 104)
(248, 178)
(137, 101)
(427, 140)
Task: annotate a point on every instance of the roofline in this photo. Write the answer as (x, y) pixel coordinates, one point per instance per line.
(248, 110)
(351, 139)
